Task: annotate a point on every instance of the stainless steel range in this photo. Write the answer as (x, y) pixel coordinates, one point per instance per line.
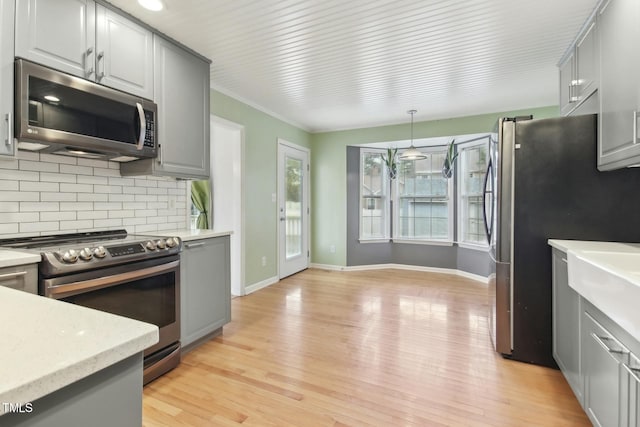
(135, 276)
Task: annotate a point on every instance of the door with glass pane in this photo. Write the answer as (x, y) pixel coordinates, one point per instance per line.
(293, 208)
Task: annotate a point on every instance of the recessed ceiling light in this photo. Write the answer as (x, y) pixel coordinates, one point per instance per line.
(52, 98)
(154, 5)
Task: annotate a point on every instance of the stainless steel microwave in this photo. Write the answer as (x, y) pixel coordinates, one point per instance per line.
(63, 114)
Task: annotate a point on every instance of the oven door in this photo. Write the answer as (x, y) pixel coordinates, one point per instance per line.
(148, 291)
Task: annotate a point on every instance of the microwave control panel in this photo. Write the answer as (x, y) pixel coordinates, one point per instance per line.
(150, 132)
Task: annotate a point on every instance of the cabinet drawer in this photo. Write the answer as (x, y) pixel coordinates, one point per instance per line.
(22, 277)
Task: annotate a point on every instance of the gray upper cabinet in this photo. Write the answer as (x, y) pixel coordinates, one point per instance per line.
(579, 70)
(182, 94)
(86, 40)
(7, 146)
(619, 33)
(566, 324)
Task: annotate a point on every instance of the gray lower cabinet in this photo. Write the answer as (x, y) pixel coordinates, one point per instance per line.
(21, 277)
(182, 94)
(619, 32)
(566, 325)
(205, 288)
(7, 146)
(603, 357)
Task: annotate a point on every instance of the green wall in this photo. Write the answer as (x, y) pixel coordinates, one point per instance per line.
(329, 171)
(260, 174)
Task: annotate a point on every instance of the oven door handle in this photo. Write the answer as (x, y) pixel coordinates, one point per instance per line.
(69, 289)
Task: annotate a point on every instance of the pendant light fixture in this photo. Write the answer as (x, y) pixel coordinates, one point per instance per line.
(412, 153)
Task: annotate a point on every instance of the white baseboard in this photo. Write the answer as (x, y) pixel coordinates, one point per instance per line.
(260, 285)
(461, 273)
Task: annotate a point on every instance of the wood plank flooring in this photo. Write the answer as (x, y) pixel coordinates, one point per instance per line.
(369, 348)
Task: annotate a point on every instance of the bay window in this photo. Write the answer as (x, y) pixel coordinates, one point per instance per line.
(373, 196)
(472, 166)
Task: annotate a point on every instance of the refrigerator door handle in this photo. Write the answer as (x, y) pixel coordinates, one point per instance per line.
(488, 221)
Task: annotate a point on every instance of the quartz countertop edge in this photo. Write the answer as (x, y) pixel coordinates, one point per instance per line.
(49, 344)
(11, 258)
(588, 245)
(186, 235)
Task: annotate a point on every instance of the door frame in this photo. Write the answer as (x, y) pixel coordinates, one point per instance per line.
(239, 236)
(306, 190)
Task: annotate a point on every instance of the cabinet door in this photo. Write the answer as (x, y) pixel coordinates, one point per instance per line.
(57, 33)
(182, 94)
(631, 392)
(619, 84)
(566, 325)
(21, 277)
(566, 85)
(587, 66)
(7, 146)
(124, 58)
(205, 288)
(603, 357)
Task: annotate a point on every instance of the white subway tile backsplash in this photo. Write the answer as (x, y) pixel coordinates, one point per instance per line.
(76, 188)
(29, 227)
(39, 206)
(27, 165)
(76, 206)
(57, 216)
(57, 177)
(8, 185)
(78, 170)
(49, 194)
(92, 197)
(19, 175)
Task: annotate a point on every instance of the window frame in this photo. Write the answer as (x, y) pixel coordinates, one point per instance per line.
(462, 214)
(450, 198)
(384, 197)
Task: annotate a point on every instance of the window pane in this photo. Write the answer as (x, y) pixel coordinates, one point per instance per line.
(293, 207)
(423, 199)
(473, 162)
(372, 196)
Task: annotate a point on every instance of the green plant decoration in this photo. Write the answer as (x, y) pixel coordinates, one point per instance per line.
(390, 161)
(449, 160)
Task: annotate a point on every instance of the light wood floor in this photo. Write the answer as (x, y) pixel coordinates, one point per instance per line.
(383, 348)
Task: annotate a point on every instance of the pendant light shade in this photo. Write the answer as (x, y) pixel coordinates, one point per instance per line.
(412, 153)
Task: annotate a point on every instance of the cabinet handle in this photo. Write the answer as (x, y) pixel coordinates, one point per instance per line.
(160, 153)
(635, 126)
(8, 276)
(601, 341)
(86, 60)
(100, 60)
(564, 259)
(194, 245)
(9, 139)
(632, 371)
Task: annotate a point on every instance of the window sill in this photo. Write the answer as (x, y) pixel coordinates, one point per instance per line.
(383, 240)
(424, 242)
(482, 248)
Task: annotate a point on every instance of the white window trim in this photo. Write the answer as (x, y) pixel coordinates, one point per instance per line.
(460, 202)
(450, 212)
(385, 195)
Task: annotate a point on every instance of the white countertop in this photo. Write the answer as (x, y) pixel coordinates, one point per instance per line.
(188, 234)
(583, 245)
(48, 344)
(10, 258)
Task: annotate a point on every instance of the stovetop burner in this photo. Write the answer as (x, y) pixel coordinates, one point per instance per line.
(72, 252)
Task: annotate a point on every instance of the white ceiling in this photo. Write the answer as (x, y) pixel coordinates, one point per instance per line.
(336, 64)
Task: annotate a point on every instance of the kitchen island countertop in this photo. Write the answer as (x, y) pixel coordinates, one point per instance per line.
(49, 344)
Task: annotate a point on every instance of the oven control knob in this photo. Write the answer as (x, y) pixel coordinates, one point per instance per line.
(150, 245)
(70, 256)
(161, 244)
(172, 242)
(99, 252)
(86, 254)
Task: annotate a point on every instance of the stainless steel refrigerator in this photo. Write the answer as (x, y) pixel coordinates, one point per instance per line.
(542, 183)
